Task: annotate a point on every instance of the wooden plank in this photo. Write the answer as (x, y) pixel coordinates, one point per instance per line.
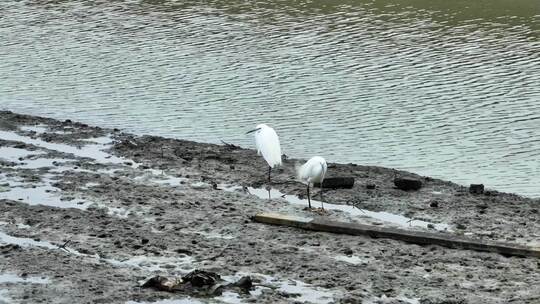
(409, 236)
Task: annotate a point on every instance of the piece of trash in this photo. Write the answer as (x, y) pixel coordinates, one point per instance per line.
(200, 278)
(199, 283)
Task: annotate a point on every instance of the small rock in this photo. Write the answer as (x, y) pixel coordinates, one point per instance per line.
(199, 278)
(85, 251)
(407, 183)
(183, 251)
(476, 188)
(370, 186)
(431, 226)
(244, 283)
(434, 204)
(461, 226)
(159, 283)
(348, 251)
(145, 241)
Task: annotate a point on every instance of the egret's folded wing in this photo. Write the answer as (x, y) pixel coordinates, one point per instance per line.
(267, 143)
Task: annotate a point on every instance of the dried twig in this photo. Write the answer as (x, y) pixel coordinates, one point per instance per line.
(354, 206)
(230, 145)
(63, 246)
(212, 258)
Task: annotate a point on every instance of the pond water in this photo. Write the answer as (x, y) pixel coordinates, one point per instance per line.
(443, 88)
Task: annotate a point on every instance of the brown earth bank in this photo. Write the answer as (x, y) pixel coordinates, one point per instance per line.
(89, 214)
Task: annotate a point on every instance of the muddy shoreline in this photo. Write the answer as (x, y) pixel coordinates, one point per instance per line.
(89, 213)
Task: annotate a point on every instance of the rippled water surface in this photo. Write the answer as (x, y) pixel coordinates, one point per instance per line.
(444, 88)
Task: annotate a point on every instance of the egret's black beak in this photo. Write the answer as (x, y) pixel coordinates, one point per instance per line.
(253, 130)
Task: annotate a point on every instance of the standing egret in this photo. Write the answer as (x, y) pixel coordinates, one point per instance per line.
(313, 171)
(267, 143)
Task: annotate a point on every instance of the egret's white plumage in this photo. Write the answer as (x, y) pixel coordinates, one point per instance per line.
(267, 142)
(313, 171)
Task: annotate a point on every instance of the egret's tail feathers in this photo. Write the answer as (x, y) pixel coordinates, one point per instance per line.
(267, 143)
(302, 172)
(297, 169)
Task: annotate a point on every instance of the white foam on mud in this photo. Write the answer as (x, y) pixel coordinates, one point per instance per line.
(62, 169)
(355, 260)
(45, 194)
(387, 217)
(13, 278)
(28, 242)
(18, 225)
(115, 211)
(299, 291)
(27, 159)
(39, 129)
(92, 150)
(102, 140)
(389, 300)
(13, 154)
(306, 292)
(4, 298)
(214, 235)
(181, 263)
(229, 297)
(89, 185)
(187, 300)
(42, 163)
(24, 242)
(160, 177)
(23, 226)
(200, 185)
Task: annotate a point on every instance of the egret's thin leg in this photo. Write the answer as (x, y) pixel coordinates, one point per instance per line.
(268, 186)
(322, 203)
(308, 199)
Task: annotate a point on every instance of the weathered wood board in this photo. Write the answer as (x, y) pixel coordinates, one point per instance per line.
(410, 236)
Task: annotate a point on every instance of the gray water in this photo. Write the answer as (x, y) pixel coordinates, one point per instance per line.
(449, 89)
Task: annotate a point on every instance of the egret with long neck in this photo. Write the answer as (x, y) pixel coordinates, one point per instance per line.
(267, 142)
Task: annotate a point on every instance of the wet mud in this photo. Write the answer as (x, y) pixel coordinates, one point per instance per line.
(90, 214)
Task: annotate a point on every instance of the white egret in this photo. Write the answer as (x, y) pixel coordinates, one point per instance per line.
(313, 171)
(267, 143)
